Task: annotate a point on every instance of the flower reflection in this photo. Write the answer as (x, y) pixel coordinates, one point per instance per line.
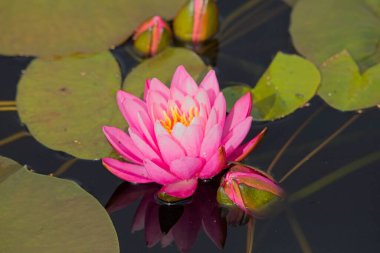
(178, 223)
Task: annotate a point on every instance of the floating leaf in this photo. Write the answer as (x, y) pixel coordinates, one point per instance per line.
(162, 67)
(321, 28)
(66, 102)
(290, 2)
(46, 214)
(345, 88)
(7, 168)
(288, 83)
(233, 93)
(48, 28)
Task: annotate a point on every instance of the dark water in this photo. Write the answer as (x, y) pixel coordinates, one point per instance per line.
(342, 217)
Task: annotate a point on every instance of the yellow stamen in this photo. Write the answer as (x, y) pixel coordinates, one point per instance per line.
(175, 116)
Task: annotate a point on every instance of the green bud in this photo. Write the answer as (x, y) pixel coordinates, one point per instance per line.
(152, 36)
(197, 21)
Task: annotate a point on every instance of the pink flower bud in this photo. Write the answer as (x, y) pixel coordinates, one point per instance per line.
(251, 190)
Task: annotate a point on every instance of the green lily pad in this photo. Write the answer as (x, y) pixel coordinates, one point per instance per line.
(321, 28)
(288, 83)
(48, 28)
(290, 2)
(66, 102)
(41, 213)
(345, 88)
(8, 167)
(233, 93)
(163, 67)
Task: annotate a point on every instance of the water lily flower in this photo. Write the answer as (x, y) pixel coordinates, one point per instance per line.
(152, 36)
(251, 190)
(180, 134)
(197, 21)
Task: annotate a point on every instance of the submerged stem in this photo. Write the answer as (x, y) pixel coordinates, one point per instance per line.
(250, 235)
(297, 230)
(8, 108)
(246, 28)
(237, 13)
(243, 19)
(320, 146)
(13, 137)
(7, 103)
(334, 176)
(64, 167)
(292, 138)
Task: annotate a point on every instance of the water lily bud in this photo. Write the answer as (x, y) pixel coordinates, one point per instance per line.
(197, 21)
(251, 190)
(152, 36)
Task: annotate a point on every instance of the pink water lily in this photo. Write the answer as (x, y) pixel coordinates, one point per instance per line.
(180, 134)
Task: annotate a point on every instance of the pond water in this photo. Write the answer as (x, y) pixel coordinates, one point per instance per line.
(343, 216)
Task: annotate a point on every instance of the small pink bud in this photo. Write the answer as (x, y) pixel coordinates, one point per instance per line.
(251, 190)
(152, 36)
(197, 21)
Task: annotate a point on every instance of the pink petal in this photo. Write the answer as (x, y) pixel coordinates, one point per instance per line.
(188, 103)
(211, 142)
(157, 105)
(184, 82)
(240, 111)
(211, 121)
(146, 128)
(210, 85)
(191, 139)
(178, 131)
(203, 111)
(214, 165)
(127, 171)
(236, 136)
(258, 181)
(129, 106)
(159, 129)
(203, 100)
(186, 167)
(245, 149)
(232, 190)
(123, 144)
(220, 108)
(146, 150)
(158, 174)
(177, 96)
(170, 148)
(156, 85)
(181, 189)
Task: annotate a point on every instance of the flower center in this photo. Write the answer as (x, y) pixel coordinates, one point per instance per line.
(175, 115)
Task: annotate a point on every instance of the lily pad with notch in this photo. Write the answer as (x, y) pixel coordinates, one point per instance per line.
(65, 103)
(64, 218)
(49, 29)
(162, 67)
(345, 88)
